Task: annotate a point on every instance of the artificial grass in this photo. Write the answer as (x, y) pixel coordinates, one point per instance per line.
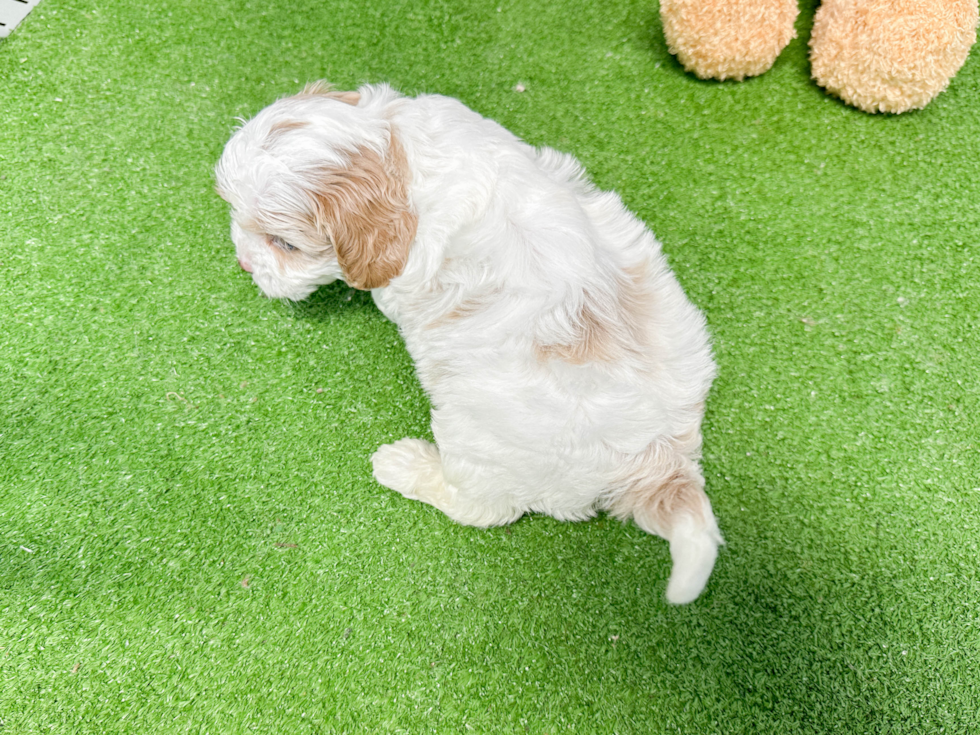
(190, 538)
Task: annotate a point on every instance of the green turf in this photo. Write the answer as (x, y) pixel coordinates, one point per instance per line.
(190, 538)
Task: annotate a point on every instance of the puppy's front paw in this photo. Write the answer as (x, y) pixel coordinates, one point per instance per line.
(407, 466)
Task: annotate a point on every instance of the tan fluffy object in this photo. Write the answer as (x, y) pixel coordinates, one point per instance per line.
(728, 39)
(890, 55)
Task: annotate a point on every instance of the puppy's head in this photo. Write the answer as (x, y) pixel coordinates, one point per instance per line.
(318, 186)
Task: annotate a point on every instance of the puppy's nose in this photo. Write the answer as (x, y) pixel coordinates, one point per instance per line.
(245, 265)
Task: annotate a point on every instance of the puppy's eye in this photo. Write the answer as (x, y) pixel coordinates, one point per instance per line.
(282, 244)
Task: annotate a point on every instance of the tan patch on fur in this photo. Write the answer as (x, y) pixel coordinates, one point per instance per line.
(595, 342)
(321, 88)
(470, 306)
(466, 308)
(351, 98)
(365, 211)
(661, 486)
(607, 332)
(279, 129)
(284, 126)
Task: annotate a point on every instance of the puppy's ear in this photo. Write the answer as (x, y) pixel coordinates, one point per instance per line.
(365, 210)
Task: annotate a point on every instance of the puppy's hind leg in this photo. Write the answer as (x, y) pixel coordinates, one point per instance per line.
(413, 468)
(670, 502)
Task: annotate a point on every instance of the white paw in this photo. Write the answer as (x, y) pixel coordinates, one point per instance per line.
(406, 466)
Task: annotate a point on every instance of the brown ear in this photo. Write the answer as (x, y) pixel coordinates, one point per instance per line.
(365, 210)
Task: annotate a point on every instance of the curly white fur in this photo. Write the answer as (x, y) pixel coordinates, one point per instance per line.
(566, 368)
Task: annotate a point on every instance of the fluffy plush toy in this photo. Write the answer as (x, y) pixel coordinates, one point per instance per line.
(890, 55)
(728, 39)
(878, 55)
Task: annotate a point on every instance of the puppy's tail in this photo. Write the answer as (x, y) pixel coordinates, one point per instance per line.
(668, 500)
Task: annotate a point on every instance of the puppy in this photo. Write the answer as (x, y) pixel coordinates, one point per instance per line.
(566, 368)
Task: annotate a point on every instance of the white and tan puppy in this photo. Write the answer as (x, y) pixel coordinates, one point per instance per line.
(567, 370)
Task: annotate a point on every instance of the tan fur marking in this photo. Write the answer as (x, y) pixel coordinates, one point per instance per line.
(661, 487)
(364, 209)
(457, 305)
(350, 98)
(606, 334)
(277, 130)
(595, 341)
(284, 126)
(321, 88)
(678, 494)
(466, 308)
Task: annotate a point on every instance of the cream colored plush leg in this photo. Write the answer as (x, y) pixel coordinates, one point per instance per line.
(890, 55)
(728, 39)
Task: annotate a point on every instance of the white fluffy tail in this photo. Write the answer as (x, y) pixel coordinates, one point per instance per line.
(693, 548)
(668, 500)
